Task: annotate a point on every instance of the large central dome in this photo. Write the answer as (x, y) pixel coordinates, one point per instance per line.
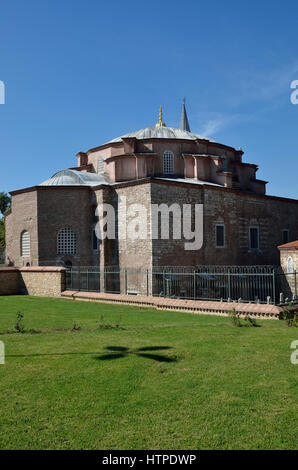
(154, 132)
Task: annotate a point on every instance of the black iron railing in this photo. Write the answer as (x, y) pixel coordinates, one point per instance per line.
(260, 284)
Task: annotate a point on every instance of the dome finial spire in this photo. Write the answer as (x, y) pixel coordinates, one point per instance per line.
(184, 124)
(160, 121)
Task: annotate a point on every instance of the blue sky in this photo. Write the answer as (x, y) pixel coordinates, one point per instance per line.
(80, 73)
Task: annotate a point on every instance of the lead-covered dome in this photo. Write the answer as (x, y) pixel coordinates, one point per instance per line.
(75, 178)
(161, 132)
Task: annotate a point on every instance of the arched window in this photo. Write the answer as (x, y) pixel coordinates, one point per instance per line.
(168, 163)
(67, 242)
(100, 166)
(25, 243)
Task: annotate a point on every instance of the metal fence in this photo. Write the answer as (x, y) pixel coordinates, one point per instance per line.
(260, 284)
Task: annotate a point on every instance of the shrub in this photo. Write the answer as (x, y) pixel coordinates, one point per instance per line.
(251, 321)
(290, 317)
(235, 318)
(76, 327)
(19, 325)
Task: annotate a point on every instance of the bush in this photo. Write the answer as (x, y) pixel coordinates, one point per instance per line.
(290, 317)
(19, 325)
(236, 320)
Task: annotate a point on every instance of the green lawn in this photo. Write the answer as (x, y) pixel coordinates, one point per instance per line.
(163, 380)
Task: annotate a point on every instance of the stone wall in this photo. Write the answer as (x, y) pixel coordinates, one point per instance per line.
(289, 266)
(40, 281)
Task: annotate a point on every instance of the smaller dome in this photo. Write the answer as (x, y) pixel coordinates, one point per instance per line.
(75, 178)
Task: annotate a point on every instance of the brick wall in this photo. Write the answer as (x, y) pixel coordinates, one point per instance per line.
(9, 281)
(23, 216)
(237, 211)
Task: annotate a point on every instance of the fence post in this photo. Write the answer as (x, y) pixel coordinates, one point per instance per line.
(194, 285)
(229, 285)
(274, 287)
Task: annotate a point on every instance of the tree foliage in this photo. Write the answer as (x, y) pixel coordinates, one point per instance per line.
(5, 200)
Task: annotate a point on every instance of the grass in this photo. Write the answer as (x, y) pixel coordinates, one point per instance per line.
(161, 380)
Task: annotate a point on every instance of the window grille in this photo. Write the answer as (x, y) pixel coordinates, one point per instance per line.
(168, 163)
(67, 242)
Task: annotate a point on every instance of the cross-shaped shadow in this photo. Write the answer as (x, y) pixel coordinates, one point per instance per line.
(118, 352)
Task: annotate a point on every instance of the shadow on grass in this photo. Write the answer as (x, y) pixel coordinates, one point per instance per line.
(121, 352)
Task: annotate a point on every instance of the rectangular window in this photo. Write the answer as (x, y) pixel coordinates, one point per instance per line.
(220, 235)
(254, 238)
(285, 236)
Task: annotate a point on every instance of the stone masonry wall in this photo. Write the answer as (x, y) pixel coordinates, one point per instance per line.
(40, 281)
(290, 279)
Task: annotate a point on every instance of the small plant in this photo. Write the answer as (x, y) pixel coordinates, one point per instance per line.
(251, 321)
(19, 325)
(235, 318)
(291, 317)
(119, 321)
(76, 327)
(108, 326)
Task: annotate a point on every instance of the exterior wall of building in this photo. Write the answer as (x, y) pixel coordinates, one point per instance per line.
(22, 217)
(44, 211)
(237, 212)
(172, 252)
(124, 161)
(59, 208)
(134, 253)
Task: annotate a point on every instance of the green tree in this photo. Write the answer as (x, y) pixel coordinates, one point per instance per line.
(5, 201)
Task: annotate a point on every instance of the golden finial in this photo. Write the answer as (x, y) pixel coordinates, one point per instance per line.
(160, 121)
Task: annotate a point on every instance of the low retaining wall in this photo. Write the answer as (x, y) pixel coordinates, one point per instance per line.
(44, 281)
(9, 281)
(262, 311)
